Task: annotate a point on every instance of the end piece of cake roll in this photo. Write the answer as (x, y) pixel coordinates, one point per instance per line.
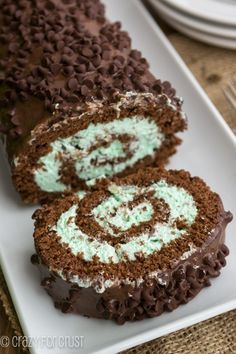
(138, 246)
(77, 102)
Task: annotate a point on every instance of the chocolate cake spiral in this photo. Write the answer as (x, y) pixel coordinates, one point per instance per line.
(136, 247)
(77, 103)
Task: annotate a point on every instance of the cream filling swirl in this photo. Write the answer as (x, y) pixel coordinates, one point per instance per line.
(114, 211)
(98, 151)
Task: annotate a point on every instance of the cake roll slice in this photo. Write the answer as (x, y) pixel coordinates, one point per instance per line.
(136, 247)
(77, 102)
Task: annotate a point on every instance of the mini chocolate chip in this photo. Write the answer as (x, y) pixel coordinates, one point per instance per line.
(102, 70)
(106, 55)
(60, 45)
(157, 86)
(118, 63)
(84, 90)
(120, 59)
(48, 47)
(113, 69)
(96, 60)
(72, 84)
(97, 49)
(45, 61)
(83, 60)
(90, 67)
(42, 71)
(89, 83)
(69, 30)
(110, 36)
(64, 93)
(166, 85)
(66, 59)
(69, 70)
(122, 45)
(87, 52)
(81, 68)
(139, 70)
(69, 39)
(224, 248)
(55, 68)
(31, 80)
(135, 54)
(144, 62)
(67, 50)
(39, 37)
(35, 259)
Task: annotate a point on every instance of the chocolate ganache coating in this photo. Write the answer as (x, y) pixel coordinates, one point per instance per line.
(131, 276)
(63, 65)
(56, 54)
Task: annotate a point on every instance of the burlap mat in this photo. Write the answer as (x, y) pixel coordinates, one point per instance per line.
(213, 67)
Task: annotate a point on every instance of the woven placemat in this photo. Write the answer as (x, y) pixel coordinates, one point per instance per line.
(215, 336)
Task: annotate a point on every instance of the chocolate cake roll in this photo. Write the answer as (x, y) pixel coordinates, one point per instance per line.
(77, 102)
(136, 247)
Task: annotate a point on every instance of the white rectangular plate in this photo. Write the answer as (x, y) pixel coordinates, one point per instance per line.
(209, 150)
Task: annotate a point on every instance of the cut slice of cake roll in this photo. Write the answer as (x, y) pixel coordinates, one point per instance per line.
(77, 102)
(136, 247)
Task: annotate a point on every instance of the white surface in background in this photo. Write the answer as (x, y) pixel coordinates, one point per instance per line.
(217, 34)
(209, 150)
(220, 11)
(202, 25)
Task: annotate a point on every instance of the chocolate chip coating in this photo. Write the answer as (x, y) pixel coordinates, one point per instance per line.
(51, 46)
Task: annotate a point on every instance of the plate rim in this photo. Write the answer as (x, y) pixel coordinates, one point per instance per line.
(187, 6)
(204, 37)
(193, 22)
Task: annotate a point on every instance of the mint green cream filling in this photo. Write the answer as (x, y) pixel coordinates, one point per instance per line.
(114, 211)
(110, 212)
(80, 194)
(93, 162)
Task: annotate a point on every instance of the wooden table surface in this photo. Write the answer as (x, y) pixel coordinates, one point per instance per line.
(213, 68)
